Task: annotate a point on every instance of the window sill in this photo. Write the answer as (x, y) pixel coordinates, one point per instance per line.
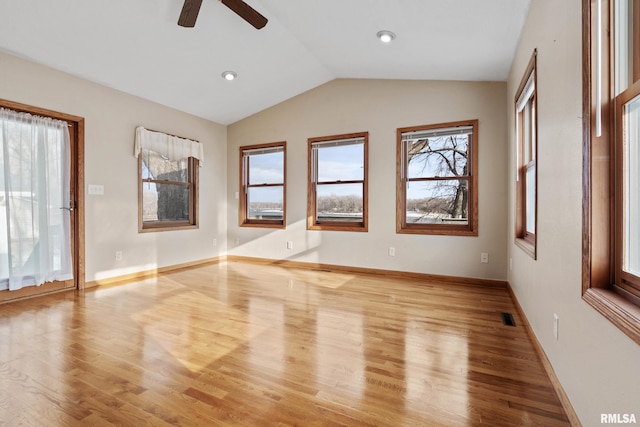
(278, 224)
(528, 247)
(622, 313)
(338, 227)
(444, 231)
(167, 228)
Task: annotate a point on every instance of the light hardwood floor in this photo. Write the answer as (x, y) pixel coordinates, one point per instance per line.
(251, 345)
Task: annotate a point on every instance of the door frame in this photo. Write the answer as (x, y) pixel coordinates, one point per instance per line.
(76, 131)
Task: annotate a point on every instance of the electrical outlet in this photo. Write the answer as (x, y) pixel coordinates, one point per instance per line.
(392, 251)
(118, 255)
(484, 258)
(556, 320)
(289, 244)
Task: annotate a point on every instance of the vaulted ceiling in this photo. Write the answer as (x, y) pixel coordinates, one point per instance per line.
(137, 47)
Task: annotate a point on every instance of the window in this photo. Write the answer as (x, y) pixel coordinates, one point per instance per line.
(437, 183)
(337, 193)
(611, 243)
(262, 185)
(527, 176)
(628, 192)
(168, 181)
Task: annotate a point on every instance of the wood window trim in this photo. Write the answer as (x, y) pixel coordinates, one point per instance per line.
(471, 229)
(598, 218)
(244, 220)
(312, 224)
(625, 282)
(523, 239)
(194, 208)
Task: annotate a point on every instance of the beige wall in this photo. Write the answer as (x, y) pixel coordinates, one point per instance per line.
(598, 366)
(110, 119)
(379, 107)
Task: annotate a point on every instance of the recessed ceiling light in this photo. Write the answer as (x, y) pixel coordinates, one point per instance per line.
(385, 36)
(229, 75)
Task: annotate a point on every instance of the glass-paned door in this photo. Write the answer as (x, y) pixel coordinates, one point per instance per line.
(36, 208)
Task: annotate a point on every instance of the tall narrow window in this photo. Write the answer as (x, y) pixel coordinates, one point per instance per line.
(262, 182)
(168, 180)
(337, 193)
(628, 192)
(437, 184)
(611, 157)
(527, 175)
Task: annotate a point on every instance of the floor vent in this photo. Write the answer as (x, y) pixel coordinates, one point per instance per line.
(507, 319)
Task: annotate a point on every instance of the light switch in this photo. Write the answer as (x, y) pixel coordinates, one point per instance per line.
(95, 189)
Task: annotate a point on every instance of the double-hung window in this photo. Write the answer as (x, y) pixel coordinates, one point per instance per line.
(437, 183)
(526, 179)
(262, 182)
(168, 181)
(337, 185)
(611, 158)
(628, 192)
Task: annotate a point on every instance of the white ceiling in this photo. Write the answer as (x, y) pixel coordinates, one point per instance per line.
(137, 47)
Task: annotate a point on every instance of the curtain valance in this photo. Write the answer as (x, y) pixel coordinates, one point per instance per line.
(173, 147)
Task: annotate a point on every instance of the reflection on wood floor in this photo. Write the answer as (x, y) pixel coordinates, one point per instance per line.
(253, 345)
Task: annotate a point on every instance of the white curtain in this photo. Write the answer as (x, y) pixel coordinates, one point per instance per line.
(173, 147)
(34, 199)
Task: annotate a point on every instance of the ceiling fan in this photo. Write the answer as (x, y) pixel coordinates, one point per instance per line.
(191, 8)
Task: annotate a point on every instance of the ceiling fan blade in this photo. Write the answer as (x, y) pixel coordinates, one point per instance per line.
(189, 13)
(246, 12)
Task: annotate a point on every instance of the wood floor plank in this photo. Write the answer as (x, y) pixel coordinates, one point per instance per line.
(245, 344)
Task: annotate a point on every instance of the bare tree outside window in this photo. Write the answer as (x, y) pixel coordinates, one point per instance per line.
(436, 160)
(167, 190)
(436, 182)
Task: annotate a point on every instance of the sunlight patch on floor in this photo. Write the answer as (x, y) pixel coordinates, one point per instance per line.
(199, 332)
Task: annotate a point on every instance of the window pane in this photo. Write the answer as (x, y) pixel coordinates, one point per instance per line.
(157, 166)
(165, 202)
(624, 45)
(266, 168)
(339, 202)
(631, 223)
(438, 202)
(344, 163)
(531, 199)
(265, 203)
(438, 157)
(527, 132)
